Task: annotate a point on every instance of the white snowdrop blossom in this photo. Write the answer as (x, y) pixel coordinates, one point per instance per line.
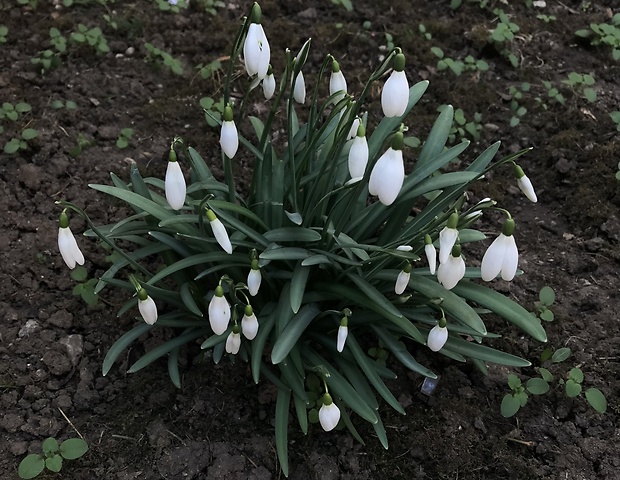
(358, 154)
(269, 85)
(452, 270)
(254, 278)
(233, 341)
(403, 279)
(337, 82)
(525, 184)
(388, 174)
(437, 338)
(329, 413)
(343, 332)
(219, 231)
(219, 311)
(431, 254)
(395, 93)
(299, 90)
(147, 307)
(256, 51)
(249, 323)
(174, 184)
(502, 256)
(67, 244)
(229, 138)
(447, 237)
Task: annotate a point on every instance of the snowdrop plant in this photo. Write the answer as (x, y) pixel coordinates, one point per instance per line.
(310, 246)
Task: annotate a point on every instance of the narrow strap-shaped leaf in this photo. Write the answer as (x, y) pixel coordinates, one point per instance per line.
(437, 137)
(292, 332)
(293, 380)
(292, 234)
(121, 344)
(258, 125)
(502, 306)
(316, 260)
(283, 401)
(285, 253)
(357, 379)
(400, 352)
(173, 367)
(233, 207)
(199, 166)
(483, 160)
(298, 286)
(188, 299)
(173, 243)
(380, 431)
(374, 295)
(266, 323)
(198, 259)
(487, 354)
(349, 424)
(302, 414)
(215, 340)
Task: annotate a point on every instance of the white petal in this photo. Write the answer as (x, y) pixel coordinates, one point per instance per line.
(68, 247)
(233, 343)
(343, 332)
(527, 188)
(437, 338)
(511, 259)
(404, 248)
(249, 326)
(299, 91)
(175, 186)
(148, 310)
(493, 259)
(254, 281)
(447, 239)
(401, 282)
(269, 86)
(358, 157)
(354, 127)
(395, 95)
(387, 176)
(229, 138)
(220, 234)
(329, 416)
(337, 83)
(219, 314)
(256, 51)
(451, 272)
(431, 257)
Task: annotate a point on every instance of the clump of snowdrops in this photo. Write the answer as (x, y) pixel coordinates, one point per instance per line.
(333, 248)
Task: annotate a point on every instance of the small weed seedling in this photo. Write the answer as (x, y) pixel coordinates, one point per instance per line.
(348, 6)
(604, 34)
(158, 56)
(173, 6)
(215, 110)
(461, 127)
(553, 93)
(458, 66)
(618, 172)
(123, 138)
(582, 82)
(59, 104)
(91, 36)
(503, 34)
(48, 59)
(53, 455)
(210, 5)
(85, 287)
(82, 143)
(21, 142)
(210, 69)
(615, 116)
(546, 298)
(546, 18)
(423, 31)
(4, 31)
(516, 108)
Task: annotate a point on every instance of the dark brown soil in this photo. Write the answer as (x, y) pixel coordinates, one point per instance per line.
(219, 425)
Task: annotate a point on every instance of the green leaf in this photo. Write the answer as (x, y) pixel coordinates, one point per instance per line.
(596, 399)
(79, 273)
(298, 286)
(537, 386)
(22, 107)
(576, 375)
(11, 146)
(285, 253)
(560, 355)
(292, 332)
(380, 431)
(590, 94)
(49, 446)
(282, 407)
(31, 466)
(173, 367)
(400, 352)
(121, 344)
(54, 463)
(437, 138)
(514, 382)
(572, 388)
(510, 405)
(546, 315)
(546, 374)
(472, 349)
(292, 234)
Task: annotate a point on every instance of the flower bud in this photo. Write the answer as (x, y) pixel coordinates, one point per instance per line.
(395, 94)
(229, 138)
(67, 244)
(254, 278)
(299, 90)
(249, 323)
(269, 85)
(403, 279)
(343, 332)
(147, 307)
(329, 413)
(358, 154)
(524, 183)
(431, 254)
(174, 184)
(219, 232)
(233, 342)
(219, 312)
(437, 338)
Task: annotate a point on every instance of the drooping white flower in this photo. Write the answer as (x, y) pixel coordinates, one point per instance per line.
(254, 278)
(447, 237)
(299, 90)
(219, 231)
(431, 254)
(395, 94)
(229, 138)
(358, 154)
(452, 270)
(502, 256)
(249, 323)
(403, 279)
(525, 184)
(269, 85)
(219, 311)
(337, 82)
(329, 413)
(147, 307)
(67, 244)
(388, 174)
(437, 338)
(233, 341)
(256, 51)
(174, 184)
(343, 332)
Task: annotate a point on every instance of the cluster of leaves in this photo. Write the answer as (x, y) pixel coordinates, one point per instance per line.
(518, 110)
(85, 287)
(546, 298)
(604, 34)
(124, 137)
(52, 458)
(11, 112)
(458, 66)
(461, 128)
(4, 31)
(90, 36)
(49, 59)
(159, 56)
(582, 82)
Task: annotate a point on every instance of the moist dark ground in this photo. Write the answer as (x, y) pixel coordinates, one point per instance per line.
(219, 424)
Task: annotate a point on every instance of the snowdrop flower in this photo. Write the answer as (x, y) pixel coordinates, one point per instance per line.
(337, 82)
(358, 154)
(256, 51)
(299, 90)
(249, 323)
(447, 237)
(388, 174)
(431, 254)
(524, 183)
(329, 413)
(229, 138)
(219, 231)
(269, 84)
(438, 336)
(147, 307)
(353, 131)
(403, 279)
(395, 94)
(254, 278)
(219, 311)
(343, 332)
(502, 257)
(175, 183)
(67, 244)
(233, 342)
(452, 271)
